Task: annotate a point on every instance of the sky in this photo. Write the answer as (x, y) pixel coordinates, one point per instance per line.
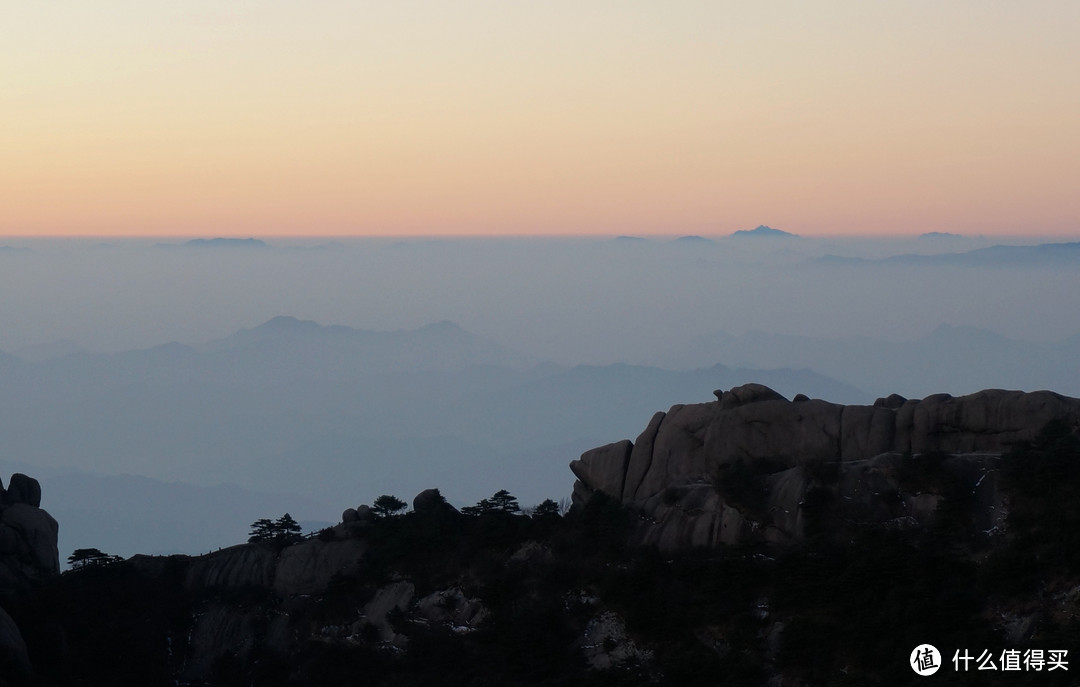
(476, 117)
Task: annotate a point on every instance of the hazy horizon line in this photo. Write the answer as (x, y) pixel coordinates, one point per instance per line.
(526, 235)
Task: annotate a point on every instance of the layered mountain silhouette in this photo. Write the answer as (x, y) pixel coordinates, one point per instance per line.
(763, 231)
(1042, 255)
(325, 414)
(959, 359)
(220, 242)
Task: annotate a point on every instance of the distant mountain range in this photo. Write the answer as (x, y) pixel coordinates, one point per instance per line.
(217, 243)
(763, 232)
(1042, 255)
(331, 415)
(954, 359)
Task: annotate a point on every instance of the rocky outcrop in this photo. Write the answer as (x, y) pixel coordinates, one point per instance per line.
(22, 489)
(28, 535)
(451, 608)
(220, 630)
(309, 567)
(499, 598)
(396, 596)
(431, 503)
(14, 660)
(674, 474)
(28, 554)
(237, 567)
(606, 644)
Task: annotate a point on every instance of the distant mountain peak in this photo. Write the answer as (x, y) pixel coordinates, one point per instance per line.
(1039, 255)
(226, 243)
(693, 239)
(763, 230)
(940, 235)
(287, 323)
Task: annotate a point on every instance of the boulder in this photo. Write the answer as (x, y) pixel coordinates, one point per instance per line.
(23, 489)
(431, 502)
(604, 468)
(396, 596)
(29, 534)
(349, 515)
(892, 401)
(745, 395)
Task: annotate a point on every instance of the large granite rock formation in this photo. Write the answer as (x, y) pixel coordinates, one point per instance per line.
(28, 535)
(28, 553)
(679, 473)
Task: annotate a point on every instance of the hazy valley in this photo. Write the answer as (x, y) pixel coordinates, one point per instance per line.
(312, 376)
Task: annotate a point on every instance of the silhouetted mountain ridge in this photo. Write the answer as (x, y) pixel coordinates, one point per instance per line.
(763, 231)
(226, 243)
(1042, 255)
(962, 359)
(292, 406)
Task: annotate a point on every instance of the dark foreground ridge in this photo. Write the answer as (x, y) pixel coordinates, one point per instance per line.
(748, 541)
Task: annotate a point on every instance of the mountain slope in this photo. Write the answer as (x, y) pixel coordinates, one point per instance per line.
(328, 414)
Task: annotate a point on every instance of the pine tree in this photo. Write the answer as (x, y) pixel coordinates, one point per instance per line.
(501, 501)
(286, 529)
(86, 558)
(387, 505)
(547, 508)
(261, 530)
(504, 502)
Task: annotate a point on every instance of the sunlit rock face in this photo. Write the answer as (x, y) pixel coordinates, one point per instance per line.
(685, 472)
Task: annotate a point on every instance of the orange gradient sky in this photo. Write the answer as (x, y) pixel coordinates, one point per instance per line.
(266, 117)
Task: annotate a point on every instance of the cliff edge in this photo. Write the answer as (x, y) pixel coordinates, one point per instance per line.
(752, 465)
